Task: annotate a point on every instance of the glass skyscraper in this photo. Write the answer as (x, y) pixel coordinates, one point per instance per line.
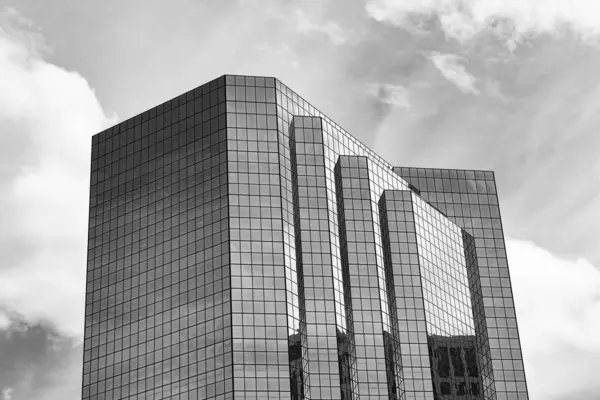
(244, 246)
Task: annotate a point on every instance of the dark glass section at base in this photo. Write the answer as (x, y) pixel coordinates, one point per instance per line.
(455, 370)
(242, 245)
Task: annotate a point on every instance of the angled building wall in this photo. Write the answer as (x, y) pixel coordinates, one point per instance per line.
(158, 319)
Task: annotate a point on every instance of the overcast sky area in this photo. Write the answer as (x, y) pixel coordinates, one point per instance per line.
(509, 86)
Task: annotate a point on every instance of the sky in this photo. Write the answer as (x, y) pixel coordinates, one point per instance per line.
(504, 85)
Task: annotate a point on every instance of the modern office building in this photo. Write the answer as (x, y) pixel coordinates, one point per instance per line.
(244, 246)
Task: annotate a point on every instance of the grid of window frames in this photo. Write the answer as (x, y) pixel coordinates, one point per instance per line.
(447, 296)
(357, 238)
(157, 298)
(299, 338)
(337, 142)
(322, 280)
(264, 291)
(396, 293)
(402, 259)
(443, 272)
(482, 342)
(469, 198)
(456, 374)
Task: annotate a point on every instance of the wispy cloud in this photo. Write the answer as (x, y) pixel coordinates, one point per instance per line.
(494, 89)
(394, 95)
(541, 133)
(306, 24)
(451, 68)
(23, 30)
(465, 19)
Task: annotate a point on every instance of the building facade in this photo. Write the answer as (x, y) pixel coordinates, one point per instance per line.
(244, 246)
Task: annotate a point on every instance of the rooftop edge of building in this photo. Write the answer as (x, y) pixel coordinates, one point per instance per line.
(487, 174)
(222, 80)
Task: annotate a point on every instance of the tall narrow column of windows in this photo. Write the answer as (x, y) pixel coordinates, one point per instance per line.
(393, 355)
(484, 360)
(321, 293)
(258, 281)
(299, 366)
(298, 348)
(357, 242)
(400, 244)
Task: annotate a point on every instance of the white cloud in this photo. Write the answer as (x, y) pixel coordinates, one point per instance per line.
(451, 68)
(464, 19)
(558, 306)
(47, 117)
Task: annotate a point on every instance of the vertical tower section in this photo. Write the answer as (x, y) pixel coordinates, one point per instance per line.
(482, 343)
(264, 302)
(327, 365)
(402, 264)
(469, 198)
(359, 262)
(157, 319)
